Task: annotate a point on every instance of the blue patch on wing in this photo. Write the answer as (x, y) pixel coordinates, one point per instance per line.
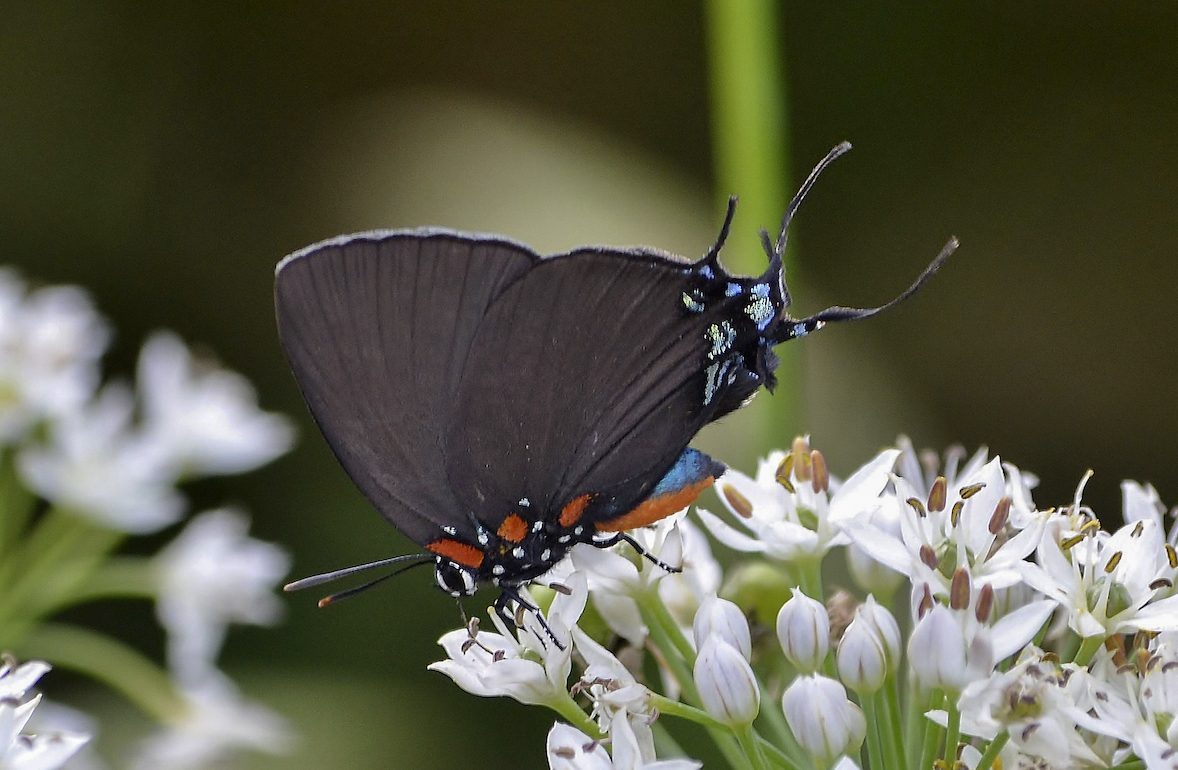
(692, 467)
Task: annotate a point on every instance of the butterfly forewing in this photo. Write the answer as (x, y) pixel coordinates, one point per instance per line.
(378, 327)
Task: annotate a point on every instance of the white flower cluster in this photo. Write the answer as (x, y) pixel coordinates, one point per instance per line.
(85, 464)
(1026, 637)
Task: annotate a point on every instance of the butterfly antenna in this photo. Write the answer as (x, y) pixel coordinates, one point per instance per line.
(714, 252)
(348, 594)
(783, 234)
(327, 577)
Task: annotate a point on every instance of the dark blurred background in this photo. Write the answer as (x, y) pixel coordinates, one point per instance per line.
(165, 156)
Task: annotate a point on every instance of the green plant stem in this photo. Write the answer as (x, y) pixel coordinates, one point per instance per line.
(1133, 764)
(748, 740)
(932, 732)
(109, 661)
(875, 747)
(1088, 648)
(913, 720)
(119, 577)
(749, 144)
(773, 718)
(952, 730)
(16, 505)
(778, 758)
(574, 715)
(990, 755)
(892, 714)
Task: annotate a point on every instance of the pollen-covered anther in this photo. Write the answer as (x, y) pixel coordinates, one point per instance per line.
(970, 490)
(955, 513)
(928, 556)
(1113, 561)
(1068, 543)
(821, 481)
(959, 589)
(917, 506)
(784, 471)
(938, 494)
(740, 504)
(803, 469)
(1000, 516)
(1171, 556)
(985, 604)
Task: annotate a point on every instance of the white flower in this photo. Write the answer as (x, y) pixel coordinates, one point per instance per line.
(616, 575)
(571, 749)
(50, 344)
(721, 619)
(824, 721)
(94, 466)
(214, 574)
(1032, 702)
(971, 524)
(22, 751)
(524, 664)
(802, 524)
(218, 723)
(803, 628)
(1108, 584)
(727, 686)
(200, 419)
(937, 651)
(608, 683)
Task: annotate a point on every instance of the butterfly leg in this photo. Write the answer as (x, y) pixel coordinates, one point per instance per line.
(511, 594)
(622, 537)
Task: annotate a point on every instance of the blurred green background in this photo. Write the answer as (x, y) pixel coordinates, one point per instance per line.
(166, 155)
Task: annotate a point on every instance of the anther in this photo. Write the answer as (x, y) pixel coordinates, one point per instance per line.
(926, 603)
(1171, 556)
(970, 490)
(985, 604)
(928, 556)
(740, 504)
(1000, 516)
(937, 494)
(784, 471)
(955, 513)
(821, 481)
(959, 589)
(1113, 561)
(917, 506)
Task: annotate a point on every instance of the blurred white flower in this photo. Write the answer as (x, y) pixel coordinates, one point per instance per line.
(217, 724)
(211, 575)
(869, 649)
(801, 523)
(523, 664)
(93, 466)
(201, 419)
(50, 342)
(28, 751)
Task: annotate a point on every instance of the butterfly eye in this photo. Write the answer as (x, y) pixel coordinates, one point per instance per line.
(454, 579)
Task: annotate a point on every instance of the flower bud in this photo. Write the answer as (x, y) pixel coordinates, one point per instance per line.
(877, 617)
(937, 651)
(862, 660)
(721, 619)
(804, 631)
(822, 719)
(726, 683)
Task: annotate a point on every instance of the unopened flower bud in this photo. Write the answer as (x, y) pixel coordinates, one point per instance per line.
(721, 619)
(727, 686)
(804, 631)
(822, 719)
(869, 649)
(937, 651)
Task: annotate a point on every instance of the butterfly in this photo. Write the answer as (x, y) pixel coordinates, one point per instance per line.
(500, 407)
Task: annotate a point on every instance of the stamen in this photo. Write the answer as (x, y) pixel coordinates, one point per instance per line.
(955, 513)
(821, 481)
(928, 556)
(917, 506)
(926, 603)
(1171, 556)
(985, 604)
(1069, 543)
(1001, 515)
(970, 490)
(1113, 561)
(784, 470)
(959, 590)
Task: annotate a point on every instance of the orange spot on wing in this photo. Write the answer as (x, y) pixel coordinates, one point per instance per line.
(571, 513)
(513, 529)
(457, 552)
(655, 508)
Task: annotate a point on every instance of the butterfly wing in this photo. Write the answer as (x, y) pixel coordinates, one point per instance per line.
(378, 327)
(588, 376)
